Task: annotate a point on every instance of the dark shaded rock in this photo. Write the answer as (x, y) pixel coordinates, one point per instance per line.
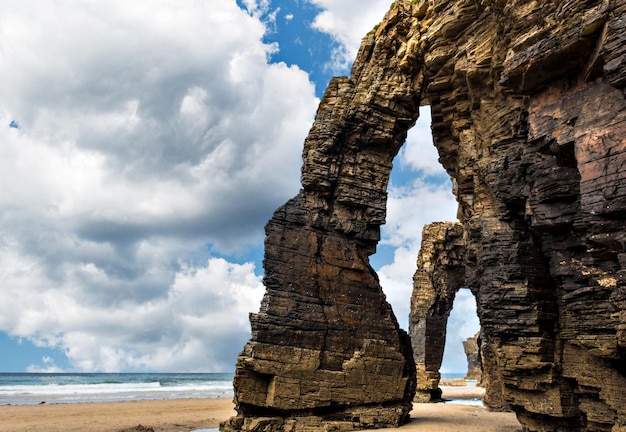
(529, 119)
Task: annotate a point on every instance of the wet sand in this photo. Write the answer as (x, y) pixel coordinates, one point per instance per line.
(184, 415)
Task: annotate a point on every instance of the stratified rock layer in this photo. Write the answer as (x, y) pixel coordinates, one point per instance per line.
(326, 350)
(529, 118)
(440, 274)
(442, 265)
(472, 352)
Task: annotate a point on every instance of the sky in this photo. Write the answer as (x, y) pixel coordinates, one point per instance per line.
(143, 147)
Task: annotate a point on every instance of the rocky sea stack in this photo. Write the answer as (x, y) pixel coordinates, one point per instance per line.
(529, 118)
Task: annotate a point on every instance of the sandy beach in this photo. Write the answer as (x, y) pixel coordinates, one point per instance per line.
(163, 415)
(184, 415)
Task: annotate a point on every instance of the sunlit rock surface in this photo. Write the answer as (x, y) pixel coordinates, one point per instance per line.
(529, 118)
(472, 352)
(440, 274)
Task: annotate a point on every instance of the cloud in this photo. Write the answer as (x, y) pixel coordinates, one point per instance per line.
(462, 324)
(347, 22)
(150, 133)
(47, 366)
(408, 210)
(151, 139)
(419, 154)
(200, 325)
(257, 7)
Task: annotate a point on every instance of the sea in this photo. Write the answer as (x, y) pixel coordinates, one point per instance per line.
(36, 388)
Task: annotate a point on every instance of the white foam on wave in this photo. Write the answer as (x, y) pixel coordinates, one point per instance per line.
(60, 389)
(102, 392)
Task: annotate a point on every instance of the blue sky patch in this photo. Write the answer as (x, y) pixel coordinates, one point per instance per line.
(24, 352)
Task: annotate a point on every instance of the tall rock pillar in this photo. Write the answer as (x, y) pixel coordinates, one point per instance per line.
(326, 351)
(440, 273)
(471, 347)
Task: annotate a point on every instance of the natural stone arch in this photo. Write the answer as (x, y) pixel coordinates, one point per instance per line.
(529, 119)
(441, 268)
(440, 274)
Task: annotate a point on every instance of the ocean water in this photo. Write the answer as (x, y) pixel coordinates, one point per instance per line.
(469, 383)
(452, 375)
(34, 388)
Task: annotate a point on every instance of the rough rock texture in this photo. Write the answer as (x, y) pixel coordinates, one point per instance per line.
(529, 117)
(472, 352)
(441, 269)
(326, 350)
(440, 274)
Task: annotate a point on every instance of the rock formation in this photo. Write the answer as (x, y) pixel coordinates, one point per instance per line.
(441, 269)
(440, 273)
(472, 352)
(529, 118)
(326, 350)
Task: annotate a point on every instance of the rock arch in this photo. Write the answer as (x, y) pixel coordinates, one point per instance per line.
(529, 119)
(441, 269)
(440, 274)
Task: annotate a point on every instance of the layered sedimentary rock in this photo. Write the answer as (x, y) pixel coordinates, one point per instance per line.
(441, 271)
(440, 274)
(529, 118)
(472, 352)
(326, 350)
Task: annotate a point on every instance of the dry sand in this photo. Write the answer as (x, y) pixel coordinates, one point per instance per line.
(189, 414)
(162, 415)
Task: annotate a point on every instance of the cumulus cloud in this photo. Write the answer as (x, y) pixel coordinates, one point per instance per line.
(408, 210)
(419, 154)
(142, 140)
(199, 325)
(347, 22)
(137, 137)
(47, 366)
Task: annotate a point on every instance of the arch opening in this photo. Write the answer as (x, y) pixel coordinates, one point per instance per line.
(419, 192)
(462, 324)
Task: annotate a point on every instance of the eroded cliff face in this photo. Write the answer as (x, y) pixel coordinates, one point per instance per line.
(529, 118)
(442, 266)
